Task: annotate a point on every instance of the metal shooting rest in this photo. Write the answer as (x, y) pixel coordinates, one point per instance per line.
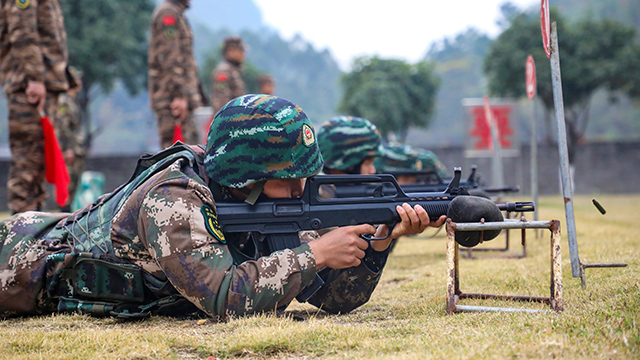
(454, 294)
(468, 252)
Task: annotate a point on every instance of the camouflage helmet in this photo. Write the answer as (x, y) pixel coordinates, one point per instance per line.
(255, 138)
(346, 141)
(430, 162)
(398, 158)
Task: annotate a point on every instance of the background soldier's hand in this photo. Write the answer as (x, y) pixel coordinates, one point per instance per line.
(414, 221)
(341, 248)
(179, 108)
(36, 93)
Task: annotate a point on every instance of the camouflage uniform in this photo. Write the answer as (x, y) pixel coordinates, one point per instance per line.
(173, 72)
(347, 141)
(72, 138)
(33, 47)
(160, 223)
(227, 83)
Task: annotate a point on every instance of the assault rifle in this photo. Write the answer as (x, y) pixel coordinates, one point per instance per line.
(281, 219)
(431, 181)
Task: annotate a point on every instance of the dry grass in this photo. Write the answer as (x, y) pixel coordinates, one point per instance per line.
(405, 318)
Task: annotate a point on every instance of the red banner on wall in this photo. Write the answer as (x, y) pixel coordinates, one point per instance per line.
(482, 132)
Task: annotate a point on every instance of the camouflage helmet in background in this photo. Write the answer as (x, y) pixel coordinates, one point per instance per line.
(430, 162)
(346, 141)
(255, 138)
(397, 158)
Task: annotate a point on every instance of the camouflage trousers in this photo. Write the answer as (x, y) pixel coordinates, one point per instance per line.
(23, 263)
(25, 187)
(166, 124)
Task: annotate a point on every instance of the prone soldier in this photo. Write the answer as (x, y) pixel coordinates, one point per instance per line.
(349, 145)
(163, 250)
(400, 159)
(430, 162)
(173, 74)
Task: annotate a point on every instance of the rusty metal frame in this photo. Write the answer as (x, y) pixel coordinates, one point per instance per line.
(468, 252)
(454, 294)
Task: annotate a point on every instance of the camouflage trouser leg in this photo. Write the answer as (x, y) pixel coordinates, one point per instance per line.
(23, 263)
(25, 187)
(75, 167)
(166, 123)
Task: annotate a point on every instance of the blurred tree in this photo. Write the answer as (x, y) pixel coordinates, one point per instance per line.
(593, 55)
(108, 41)
(392, 94)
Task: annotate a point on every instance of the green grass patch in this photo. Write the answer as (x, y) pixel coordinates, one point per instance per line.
(406, 317)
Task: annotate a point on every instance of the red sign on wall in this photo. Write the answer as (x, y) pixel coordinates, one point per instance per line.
(482, 132)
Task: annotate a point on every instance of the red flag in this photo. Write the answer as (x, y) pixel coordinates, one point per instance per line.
(55, 168)
(177, 133)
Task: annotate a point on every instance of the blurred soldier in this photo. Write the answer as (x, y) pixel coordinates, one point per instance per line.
(173, 73)
(158, 241)
(33, 62)
(70, 133)
(266, 84)
(349, 145)
(227, 76)
(430, 162)
(400, 160)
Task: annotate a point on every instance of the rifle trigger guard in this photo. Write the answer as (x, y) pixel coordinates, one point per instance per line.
(369, 237)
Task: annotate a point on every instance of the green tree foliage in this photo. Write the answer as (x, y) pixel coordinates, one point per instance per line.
(593, 55)
(458, 63)
(624, 11)
(108, 41)
(392, 94)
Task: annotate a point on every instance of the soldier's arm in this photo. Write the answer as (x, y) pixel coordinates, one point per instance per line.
(166, 35)
(347, 289)
(183, 239)
(22, 21)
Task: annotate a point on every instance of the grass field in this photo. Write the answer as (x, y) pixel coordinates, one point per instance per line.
(406, 317)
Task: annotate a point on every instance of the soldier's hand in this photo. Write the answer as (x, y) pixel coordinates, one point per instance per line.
(414, 221)
(36, 93)
(341, 248)
(179, 108)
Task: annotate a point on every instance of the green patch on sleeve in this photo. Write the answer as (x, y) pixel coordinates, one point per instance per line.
(211, 223)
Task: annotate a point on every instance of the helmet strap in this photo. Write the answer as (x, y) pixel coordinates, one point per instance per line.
(255, 193)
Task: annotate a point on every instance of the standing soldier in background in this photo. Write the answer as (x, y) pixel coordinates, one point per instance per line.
(227, 76)
(33, 72)
(70, 133)
(173, 73)
(266, 84)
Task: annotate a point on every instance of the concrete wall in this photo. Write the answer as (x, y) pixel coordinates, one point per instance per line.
(610, 168)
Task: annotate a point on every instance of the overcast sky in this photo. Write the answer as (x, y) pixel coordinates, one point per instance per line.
(401, 29)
